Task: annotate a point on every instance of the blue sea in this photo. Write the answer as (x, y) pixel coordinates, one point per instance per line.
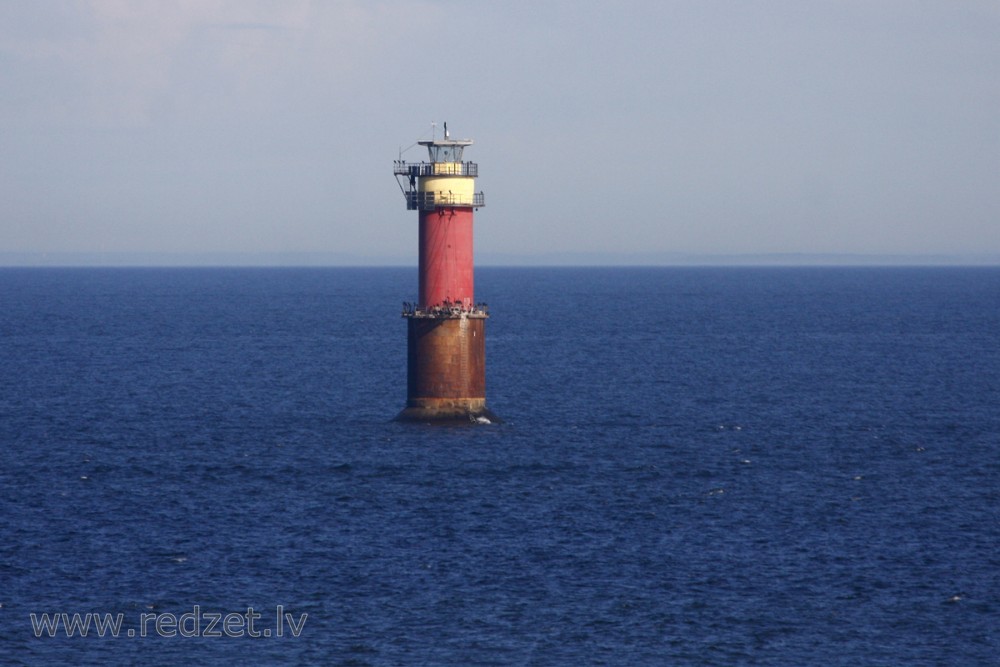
(697, 466)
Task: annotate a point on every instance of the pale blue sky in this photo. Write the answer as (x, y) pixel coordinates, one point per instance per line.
(695, 127)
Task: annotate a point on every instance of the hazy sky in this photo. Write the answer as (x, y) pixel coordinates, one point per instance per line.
(180, 126)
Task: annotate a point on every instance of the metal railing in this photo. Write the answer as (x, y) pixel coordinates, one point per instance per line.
(413, 170)
(428, 201)
(447, 310)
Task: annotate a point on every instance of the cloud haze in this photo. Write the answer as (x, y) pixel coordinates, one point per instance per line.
(691, 127)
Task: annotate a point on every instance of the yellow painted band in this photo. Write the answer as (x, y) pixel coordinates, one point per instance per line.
(460, 188)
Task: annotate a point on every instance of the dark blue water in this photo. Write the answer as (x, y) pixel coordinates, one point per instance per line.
(698, 467)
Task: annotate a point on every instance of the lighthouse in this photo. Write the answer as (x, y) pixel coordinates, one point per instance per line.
(445, 328)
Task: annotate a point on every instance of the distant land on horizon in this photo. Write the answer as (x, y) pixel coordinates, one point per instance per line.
(323, 259)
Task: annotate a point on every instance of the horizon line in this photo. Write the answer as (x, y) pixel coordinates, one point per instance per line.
(83, 259)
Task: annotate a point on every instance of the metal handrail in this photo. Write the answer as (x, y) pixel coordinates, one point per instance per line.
(446, 310)
(413, 169)
(428, 201)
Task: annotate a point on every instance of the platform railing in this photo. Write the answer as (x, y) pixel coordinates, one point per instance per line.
(446, 310)
(414, 169)
(428, 201)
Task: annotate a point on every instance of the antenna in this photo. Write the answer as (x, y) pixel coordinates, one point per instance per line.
(446, 135)
(419, 139)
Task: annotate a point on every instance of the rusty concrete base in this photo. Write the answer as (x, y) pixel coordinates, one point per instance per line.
(447, 411)
(446, 370)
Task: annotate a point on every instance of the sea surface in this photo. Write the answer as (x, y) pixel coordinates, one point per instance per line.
(697, 466)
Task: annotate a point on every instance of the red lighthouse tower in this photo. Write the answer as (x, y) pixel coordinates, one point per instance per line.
(446, 344)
